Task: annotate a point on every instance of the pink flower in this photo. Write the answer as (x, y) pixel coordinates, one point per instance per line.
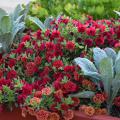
(46, 91)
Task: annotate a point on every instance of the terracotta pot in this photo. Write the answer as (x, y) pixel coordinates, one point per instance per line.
(14, 115)
(82, 116)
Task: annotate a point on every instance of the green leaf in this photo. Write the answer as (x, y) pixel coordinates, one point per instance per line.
(84, 94)
(5, 24)
(37, 22)
(107, 73)
(111, 53)
(2, 13)
(47, 22)
(98, 55)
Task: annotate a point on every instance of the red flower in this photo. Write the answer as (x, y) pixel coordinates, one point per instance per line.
(99, 41)
(117, 101)
(42, 115)
(76, 101)
(64, 107)
(70, 87)
(11, 63)
(69, 68)
(55, 34)
(99, 98)
(38, 60)
(57, 64)
(27, 89)
(70, 45)
(31, 68)
(21, 98)
(68, 115)
(26, 38)
(50, 46)
(1, 73)
(88, 42)
(11, 74)
(81, 28)
(38, 33)
(91, 31)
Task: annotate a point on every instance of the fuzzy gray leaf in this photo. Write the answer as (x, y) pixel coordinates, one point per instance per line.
(111, 53)
(38, 23)
(84, 94)
(98, 55)
(107, 73)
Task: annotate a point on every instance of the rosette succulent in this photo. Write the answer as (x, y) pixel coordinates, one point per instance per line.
(105, 69)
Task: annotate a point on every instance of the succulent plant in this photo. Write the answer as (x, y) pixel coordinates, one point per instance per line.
(11, 25)
(105, 69)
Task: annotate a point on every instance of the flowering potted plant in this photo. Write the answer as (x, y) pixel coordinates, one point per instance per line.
(39, 76)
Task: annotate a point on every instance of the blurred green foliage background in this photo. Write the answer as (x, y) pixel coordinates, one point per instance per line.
(99, 9)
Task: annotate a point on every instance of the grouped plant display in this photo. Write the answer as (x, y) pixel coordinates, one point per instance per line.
(105, 71)
(10, 26)
(39, 73)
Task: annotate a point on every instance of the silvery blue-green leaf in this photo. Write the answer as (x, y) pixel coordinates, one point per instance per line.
(111, 53)
(17, 12)
(5, 41)
(98, 55)
(117, 12)
(117, 66)
(47, 22)
(18, 20)
(107, 73)
(115, 86)
(84, 94)
(25, 11)
(2, 13)
(85, 64)
(17, 29)
(96, 77)
(38, 23)
(5, 24)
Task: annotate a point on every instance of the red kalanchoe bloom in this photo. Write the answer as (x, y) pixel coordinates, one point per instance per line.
(91, 31)
(1, 73)
(26, 38)
(117, 101)
(42, 115)
(38, 60)
(64, 106)
(69, 68)
(11, 74)
(30, 68)
(81, 28)
(76, 101)
(99, 98)
(21, 98)
(53, 116)
(50, 46)
(88, 42)
(38, 33)
(57, 64)
(70, 87)
(70, 45)
(68, 115)
(11, 63)
(99, 41)
(55, 34)
(27, 89)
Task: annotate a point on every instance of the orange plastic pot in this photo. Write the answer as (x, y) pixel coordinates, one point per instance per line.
(14, 115)
(82, 116)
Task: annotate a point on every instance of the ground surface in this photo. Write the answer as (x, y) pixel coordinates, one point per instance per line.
(9, 5)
